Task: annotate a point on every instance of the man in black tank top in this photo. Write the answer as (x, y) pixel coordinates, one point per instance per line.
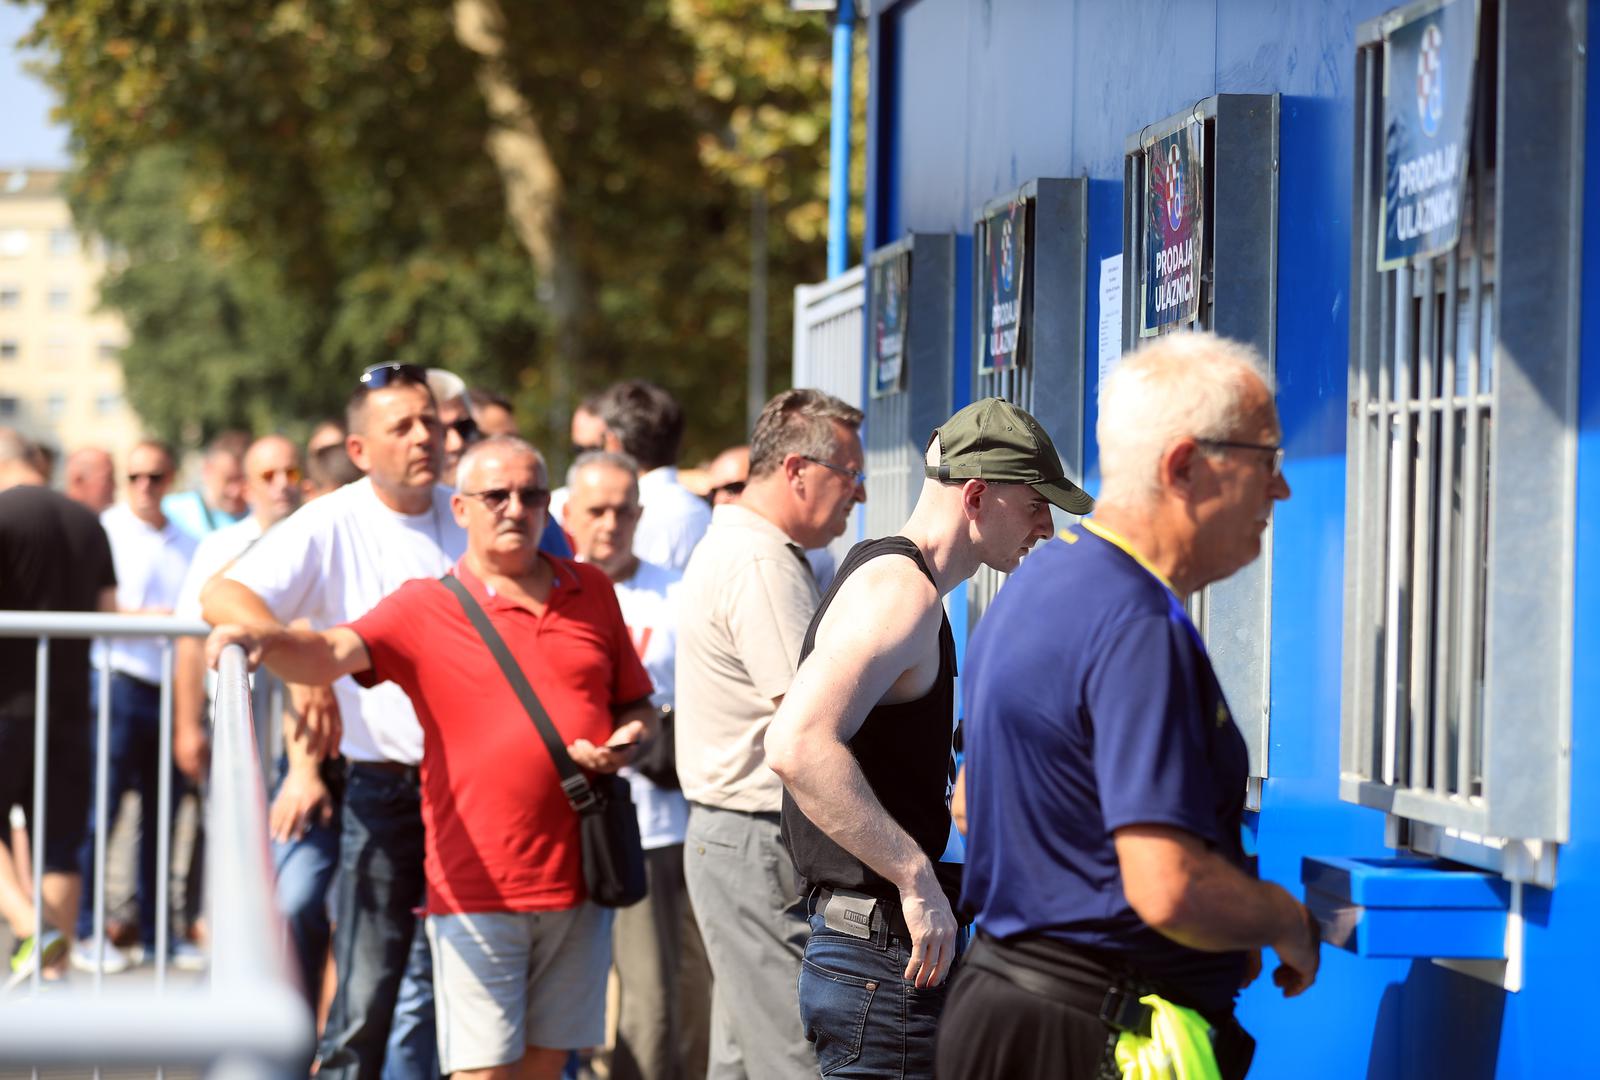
(863, 743)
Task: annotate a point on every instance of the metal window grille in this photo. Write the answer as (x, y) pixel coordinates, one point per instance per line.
(828, 336)
(1238, 299)
(1461, 468)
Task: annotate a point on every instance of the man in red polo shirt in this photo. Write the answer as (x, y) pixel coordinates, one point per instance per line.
(520, 954)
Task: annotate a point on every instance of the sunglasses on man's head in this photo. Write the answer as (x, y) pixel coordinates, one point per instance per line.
(379, 376)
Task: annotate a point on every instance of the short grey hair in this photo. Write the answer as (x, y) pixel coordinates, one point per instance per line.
(503, 444)
(1189, 383)
(602, 459)
(803, 422)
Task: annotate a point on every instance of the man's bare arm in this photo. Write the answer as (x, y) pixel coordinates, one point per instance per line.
(874, 632)
(1189, 893)
(223, 600)
(190, 743)
(297, 656)
(303, 797)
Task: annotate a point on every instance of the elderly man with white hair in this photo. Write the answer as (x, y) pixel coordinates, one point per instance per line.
(1105, 778)
(520, 951)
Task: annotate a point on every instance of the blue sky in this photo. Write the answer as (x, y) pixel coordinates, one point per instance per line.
(27, 137)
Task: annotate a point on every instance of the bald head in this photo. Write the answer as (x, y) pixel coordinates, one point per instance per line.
(272, 479)
(91, 478)
(504, 449)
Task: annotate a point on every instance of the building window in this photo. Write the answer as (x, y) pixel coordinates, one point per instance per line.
(63, 242)
(107, 403)
(55, 406)
(59, 298)
(10, 297)
(13, 243)
(1461, 475)
(9, 349)
(108, 350)
(8, 407)
(57, 347)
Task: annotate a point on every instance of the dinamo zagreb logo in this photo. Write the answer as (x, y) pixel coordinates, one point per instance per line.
(1007, 256)
(1174, 187)
(1430, 79)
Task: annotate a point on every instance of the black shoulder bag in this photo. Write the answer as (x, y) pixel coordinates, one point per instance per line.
(608, 828)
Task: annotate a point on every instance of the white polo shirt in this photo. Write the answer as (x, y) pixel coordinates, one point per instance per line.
(151, 564)
(332, 561)
(673, 521)
(748, 597)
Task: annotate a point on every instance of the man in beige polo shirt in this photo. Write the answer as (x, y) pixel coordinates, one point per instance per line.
(748, 596)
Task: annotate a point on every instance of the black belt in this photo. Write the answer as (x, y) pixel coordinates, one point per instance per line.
(1117, 1006)
(388, 768)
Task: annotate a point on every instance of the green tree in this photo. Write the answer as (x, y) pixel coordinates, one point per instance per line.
(542, 198)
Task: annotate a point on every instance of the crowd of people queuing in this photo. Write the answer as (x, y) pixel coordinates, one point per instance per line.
(790, 731)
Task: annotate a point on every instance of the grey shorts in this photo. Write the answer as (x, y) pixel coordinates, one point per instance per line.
(505, 981)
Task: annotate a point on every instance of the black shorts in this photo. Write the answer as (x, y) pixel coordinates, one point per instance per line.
(67, 784)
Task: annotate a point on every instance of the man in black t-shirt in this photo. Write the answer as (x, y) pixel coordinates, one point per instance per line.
(53, 557)
(863, 742)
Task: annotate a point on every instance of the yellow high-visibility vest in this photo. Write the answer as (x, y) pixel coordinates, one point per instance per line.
(1177, 1048)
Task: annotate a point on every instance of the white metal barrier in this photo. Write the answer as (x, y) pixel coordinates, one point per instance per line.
(248, 1017)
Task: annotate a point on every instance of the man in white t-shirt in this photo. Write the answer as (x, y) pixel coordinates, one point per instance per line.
(272, 492)
(332, 562)
(645, 422)
(151, 555)
(272, 476)
(665, 1006)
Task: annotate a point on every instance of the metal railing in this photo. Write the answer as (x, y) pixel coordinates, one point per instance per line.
(248, 1017)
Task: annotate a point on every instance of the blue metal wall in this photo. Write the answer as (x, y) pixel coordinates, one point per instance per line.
(969, 99)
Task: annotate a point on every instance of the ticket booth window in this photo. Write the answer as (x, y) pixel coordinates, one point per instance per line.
(909, 349)
(1214, 169)
(1029, 254)
(1461, 465)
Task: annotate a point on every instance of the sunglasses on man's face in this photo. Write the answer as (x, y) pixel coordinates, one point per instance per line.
(497, 499)
(379, 376)
(290, 473)
(147, 478)
(466, 428)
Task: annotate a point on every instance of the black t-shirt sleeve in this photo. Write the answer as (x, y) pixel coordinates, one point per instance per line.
(97, 549)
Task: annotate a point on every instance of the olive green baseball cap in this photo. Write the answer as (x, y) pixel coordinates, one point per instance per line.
(994, 440)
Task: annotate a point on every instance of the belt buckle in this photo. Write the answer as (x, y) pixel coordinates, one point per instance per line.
(1124, 1011)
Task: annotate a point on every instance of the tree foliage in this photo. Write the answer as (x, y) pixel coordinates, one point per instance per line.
(303, 188)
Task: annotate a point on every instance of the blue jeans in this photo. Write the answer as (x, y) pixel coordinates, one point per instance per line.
(134, 764)
(377, 934)
(858, 1010)
(304, 868)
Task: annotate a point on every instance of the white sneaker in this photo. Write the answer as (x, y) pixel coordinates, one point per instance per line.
(86, 957)
(187, 956)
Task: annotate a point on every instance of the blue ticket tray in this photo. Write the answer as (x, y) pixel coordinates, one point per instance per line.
(1402, 907)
